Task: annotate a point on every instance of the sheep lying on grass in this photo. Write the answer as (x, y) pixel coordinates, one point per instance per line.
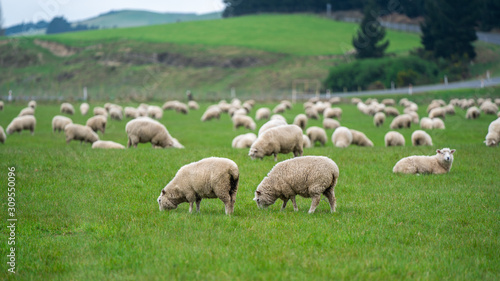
(244, 141)
(81, 133)
(107, 145)
(3, 137)
(393, 138)
(437, 164)
(493, 136)
(67, 108)
(208, 178)
(59, 122)
(282, 139)
(27, 122)
(145, 129)
(97, 123)
(307, 176)
(342, 137)
(316, 134)
(420, 137)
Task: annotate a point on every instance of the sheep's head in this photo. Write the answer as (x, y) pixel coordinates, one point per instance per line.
(263, 199)
(164, 203)
(255, 153)
(446, 154)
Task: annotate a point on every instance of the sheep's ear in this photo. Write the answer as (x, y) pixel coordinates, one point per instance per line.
(438, 151)
(453, 151)
(163, 192)
(258, 193)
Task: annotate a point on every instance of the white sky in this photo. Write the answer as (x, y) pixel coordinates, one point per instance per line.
(18, 11)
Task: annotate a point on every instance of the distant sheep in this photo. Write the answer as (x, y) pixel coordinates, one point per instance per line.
(100, 111)
(97, 123)
(3, 137)
(437, 164)
(489, 108)
(301, 121)
(307, 176)
(193, 105)
(307, 142)
(81, 133)
(391, 111)
(181, 108)
(287, 104)
(282, 139)
(107, 145)
(278, 117)
(84, 108)
(211, 113)
(437, 123)
(414, 117)
(379, 119)
(394, 138)
(388, 102)
(360, 139)
(170, 105)
(401, 121)
(59, 122)
(208, 178)
(334, 112)
(329, 123)
(263, 113)
(355, 101)
(271, 124)
(312, 113)
(420, 137)
(437, 112)
(67, 108)
(145, 129)
(115, 114)
(18, 124)
(131, 112)
(335, 100)
(155, 112)
(316, 134)
(244, 141)
(280, 108)
(27, 111)
(32, 104)
(426, 123)
(449, 109)
(472, 113)
(243, 121)
(493, 136)
(342, 137)
(1, 105)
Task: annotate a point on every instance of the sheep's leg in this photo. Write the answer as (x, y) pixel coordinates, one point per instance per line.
(191, 206)
(198, 201)
(295, 208)
(229, 206)
(284, 204)
(314, 203)
(275, 157)
(330, 195)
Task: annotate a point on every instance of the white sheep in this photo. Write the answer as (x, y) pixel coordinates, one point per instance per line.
(342, 137)
(355, 100)
(493, 136)
(115, 113)
(433, 105)
(170, 105)
(211, 113)
(280, 108)
(281, 139)
(27, 111)
(437, 123)
(3, 137)
(67, 108)
(316, 134)
(287, 104)
(145, 129)
(1, 105)
(437, 112)
(107, 145)
(100, 111)
(449, 109)
(84, 108)
(181, 108)
(472, 113)
(307, 176)
(394, 138)
(300, 120)
(306, 142)
(379, 119)
(426, 123)
(388, 102)
(312, 113)
(271, 124)
(243, 121)
(391, 111)
(97, 123)
(414, 117)
(335, 100)
(360, 139)
(193, 105)
(208, 178)
(489, 108)
(26, 122)
(32, 104)
(59, 122)
(436, 164)
(335, 112)
(80, 132)
(401, 121)
(278, 117)
(131, 112)
(420, 137)
(263, 113)
(155, 112)
(244, 140)
(329, 123)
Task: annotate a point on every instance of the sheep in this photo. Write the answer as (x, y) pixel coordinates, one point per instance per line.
(271, 124)
(437, 164)
(280, 108)
(355, 100)
(334, 112)
(301, 121)
(115, 114)
(401, 121)
(391, 111)
(1, 105)
(420, 137)
(97, 123)
(497, 101)
(321, 107)
(181, 108)
(329, 123)
(155, 112)
(388, 102)
(142, 110)
(489, 108)
(335, 100)
(312, 113)
(3, 137)
(208, 178)
(211, 113)
(493, 136)
(414, 117)
(107, 145)
(449, 109)
(131, 112)
(362, 107)
(244, 141)
(433, 105)
(193, 105)
(472, 113)
(360, 139)
(247, 106)
(67, 108)
(306, 142)
(26, 122)
(108, 106)
(394, 138)
(307, 176)
(177, 144)
(170, 105)
(437, 124)
(282, 139)
(278, 117)
(84, 108)
(426, 123)
(80, 132)
(287, 104)
(243, 121)
(437, 112)
(379, 119)
(224, 106)
(316, 134)
(236, 102)
(100, 111)
(342, 137)
(59, 122)
(32, 104)
(263, 113)
(27, 111)
(145, 129)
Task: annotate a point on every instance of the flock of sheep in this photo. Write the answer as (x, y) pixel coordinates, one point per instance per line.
(307, 176)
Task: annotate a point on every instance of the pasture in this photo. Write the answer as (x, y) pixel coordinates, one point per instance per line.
(88, 214)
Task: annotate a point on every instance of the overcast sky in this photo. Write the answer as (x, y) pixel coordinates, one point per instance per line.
(18, 11)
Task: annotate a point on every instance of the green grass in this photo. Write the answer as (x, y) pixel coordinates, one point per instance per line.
(85, 214)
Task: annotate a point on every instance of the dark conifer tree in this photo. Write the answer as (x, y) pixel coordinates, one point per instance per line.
(368, 41)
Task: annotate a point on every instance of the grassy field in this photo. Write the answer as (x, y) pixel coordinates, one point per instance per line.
(88, 214)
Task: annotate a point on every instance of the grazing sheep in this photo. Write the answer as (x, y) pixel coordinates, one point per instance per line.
(379, 119)
(360, 139)
(67, 108)
(26, 122)
(449, 109)
(211, 113)
(356, 100)
(437, 112)
(59, 122)
(32, 104)
(131, 112)
(107, 145)
(280, 108)
(282, 139)
(420, 137)
(84, 108)
(316, 134)
(426, 123)
(1, 105)
(97, 123)
(437, 164)
(287, 104)
(115, 113)
(181, 108)
(433, 105)
(307, 142)
(263, 113)
(307, 176)
(489, 108)
(335, 100)
(3, 137)
(414, 117)
(100, 111)
(493, 136)
(244, 141)
(208, 178)
(155, 112)
(391, 111)
(27, 111)
(342, 137)
(437, 124)
(401, 121)
(301, 121)
(388, 102)
(329, 123)
(334, 112)
(193, 105)
(243, 121)
(472, 113)
(271, 124)
(145, 129)
(170, 105)
(312, 113)
(394, 138)
(80, 132)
